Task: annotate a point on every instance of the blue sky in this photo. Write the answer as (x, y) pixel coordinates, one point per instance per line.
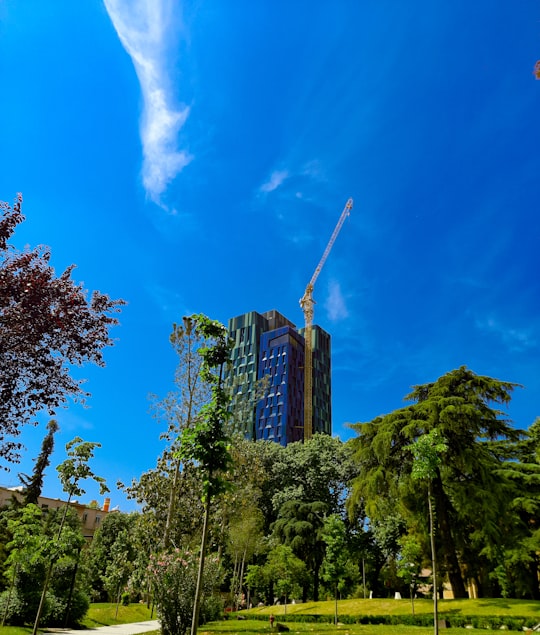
(196, 156)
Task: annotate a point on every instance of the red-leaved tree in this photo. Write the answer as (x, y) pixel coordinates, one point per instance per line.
(47, 325)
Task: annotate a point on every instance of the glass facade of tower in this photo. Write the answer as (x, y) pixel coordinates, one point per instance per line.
(268, 347)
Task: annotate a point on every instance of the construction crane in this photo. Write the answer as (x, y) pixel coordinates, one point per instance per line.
(307, 303)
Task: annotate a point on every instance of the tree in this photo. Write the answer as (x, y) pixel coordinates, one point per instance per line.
(111, 553)
(207, 443)
(179, 408)
(470, 490)
(67, 329)
(35, 541)
(119, 568)
(318, 470)
(285, 570)
(518, 568)
(300, 526)
(410, 564)
(71, 472)
(244, 541)
(427, 451)
(336, 556)
(34, 484)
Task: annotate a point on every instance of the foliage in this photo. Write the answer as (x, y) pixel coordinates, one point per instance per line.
(76, 469)
(71, 472)
(178, 410)
(174, 580)
(470, 490)
(427, 451)
(67, 329)
(115, 539)
(33, 484)
(245, 540)
(337, 565)
(36, 542)
(300, 525)
(206, 444)
(285, 570)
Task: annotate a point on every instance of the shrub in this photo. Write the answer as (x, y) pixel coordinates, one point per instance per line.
(174, 578)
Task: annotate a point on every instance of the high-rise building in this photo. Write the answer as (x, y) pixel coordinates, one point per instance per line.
(267, 375)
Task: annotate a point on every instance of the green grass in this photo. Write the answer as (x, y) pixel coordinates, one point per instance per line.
(235, 627)
(104, 614)
(480, 608)
(101, 614)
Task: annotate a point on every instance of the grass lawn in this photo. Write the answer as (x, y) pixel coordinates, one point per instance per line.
(98, 615)
(104, 614)
(481, 608)
(235, 627)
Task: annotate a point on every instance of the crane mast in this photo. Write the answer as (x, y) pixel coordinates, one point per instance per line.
(307, 302)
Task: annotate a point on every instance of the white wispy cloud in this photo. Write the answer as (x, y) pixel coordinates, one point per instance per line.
(516, 340)
(335, 306)
(145, 27)
(276, 179)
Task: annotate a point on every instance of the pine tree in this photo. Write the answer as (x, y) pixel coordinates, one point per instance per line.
(34, 484)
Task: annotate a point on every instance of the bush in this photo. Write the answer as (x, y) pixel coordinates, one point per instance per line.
(174, 579)
(11, 607)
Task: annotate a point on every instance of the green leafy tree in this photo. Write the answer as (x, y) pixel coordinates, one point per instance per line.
(300, 526)
(179, 408)
(470, 492)
(336, 557)
(151, 491)
(35, 542)
(72, 472)
(119, 568)
(428, 450)
(410, 564)
(518, 569)
(285, 571)
(318, 470)
(68, 329)
(207, 443)
(245, 539)
(98, 556)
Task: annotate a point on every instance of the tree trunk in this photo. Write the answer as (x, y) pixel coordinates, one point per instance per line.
(241, 578)
(448, 546)
(197, 601)
(316, 582)
(434, 565)
(50, 570)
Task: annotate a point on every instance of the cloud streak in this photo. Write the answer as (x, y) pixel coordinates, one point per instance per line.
(276, 179)
(516, 340)
(335, 306)
(144, 28)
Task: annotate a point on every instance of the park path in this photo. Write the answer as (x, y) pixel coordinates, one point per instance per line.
(136, 628)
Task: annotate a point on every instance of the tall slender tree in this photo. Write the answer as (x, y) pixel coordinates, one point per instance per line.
(207, 444)
(34, 484)
(72, 471)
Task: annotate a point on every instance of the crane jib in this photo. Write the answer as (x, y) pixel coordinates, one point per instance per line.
(307, 303)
